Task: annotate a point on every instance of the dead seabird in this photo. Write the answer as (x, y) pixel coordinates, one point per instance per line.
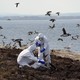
(75, 37)
(78, 25)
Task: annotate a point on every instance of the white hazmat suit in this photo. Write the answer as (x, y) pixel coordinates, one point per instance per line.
(44, 50)
(27, 58)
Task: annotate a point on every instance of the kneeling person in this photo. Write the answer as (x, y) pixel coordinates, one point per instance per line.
(27, 58)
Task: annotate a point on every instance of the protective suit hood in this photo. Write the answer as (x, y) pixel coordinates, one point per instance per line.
(41, 35)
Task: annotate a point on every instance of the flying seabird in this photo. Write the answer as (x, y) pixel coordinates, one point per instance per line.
(4, 37)
(17, 4)
(74, 38)
(1, 27)
(30, 32)
(52, 26)
(78, 25)
(60, 39)
(58, 13)
(52, 20)
(64, 33)
(18, 41)
(48, 13)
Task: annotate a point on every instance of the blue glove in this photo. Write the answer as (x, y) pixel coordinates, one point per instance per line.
(41, 61)
(42, 50)
(38, 44)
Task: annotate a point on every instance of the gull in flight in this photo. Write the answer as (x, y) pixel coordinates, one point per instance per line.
(65, 34)
(17, 4)
(48, 13)
(58, 13)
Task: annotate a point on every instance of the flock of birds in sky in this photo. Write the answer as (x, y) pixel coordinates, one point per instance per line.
(48, 13)
(65, 34)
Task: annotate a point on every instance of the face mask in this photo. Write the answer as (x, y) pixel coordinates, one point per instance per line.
(41, 39)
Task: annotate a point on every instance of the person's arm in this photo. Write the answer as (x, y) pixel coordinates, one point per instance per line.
(44, 48)
(45, 44)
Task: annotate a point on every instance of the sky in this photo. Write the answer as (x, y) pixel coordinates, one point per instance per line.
(38, 7)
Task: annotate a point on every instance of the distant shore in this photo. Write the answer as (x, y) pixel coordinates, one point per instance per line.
(37, 17)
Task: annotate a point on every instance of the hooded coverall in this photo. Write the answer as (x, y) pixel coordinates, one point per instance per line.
(26, 57)
(43, 50)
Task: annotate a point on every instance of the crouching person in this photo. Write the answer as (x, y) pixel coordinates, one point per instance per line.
(27, 58)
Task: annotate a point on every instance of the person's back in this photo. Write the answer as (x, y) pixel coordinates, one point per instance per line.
(28, 51)
(26, 56)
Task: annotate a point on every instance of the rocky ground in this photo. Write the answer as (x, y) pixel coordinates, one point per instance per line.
(67, 68)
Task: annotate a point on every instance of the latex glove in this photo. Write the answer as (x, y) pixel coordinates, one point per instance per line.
(38, 44)
(42, 50)
(41, 61)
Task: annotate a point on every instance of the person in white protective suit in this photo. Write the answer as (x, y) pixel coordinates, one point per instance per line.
(27, 58)
(44, 50)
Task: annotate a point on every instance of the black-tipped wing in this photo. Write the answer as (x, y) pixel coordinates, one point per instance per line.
(52, 20)
(48, 13)
(17, 4)
(64, 31)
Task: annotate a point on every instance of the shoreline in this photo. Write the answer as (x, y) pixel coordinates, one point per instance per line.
(67, 54)
(58, 52)
(67, 68)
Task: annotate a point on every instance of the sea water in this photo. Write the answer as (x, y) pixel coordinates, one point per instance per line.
(18, 29)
